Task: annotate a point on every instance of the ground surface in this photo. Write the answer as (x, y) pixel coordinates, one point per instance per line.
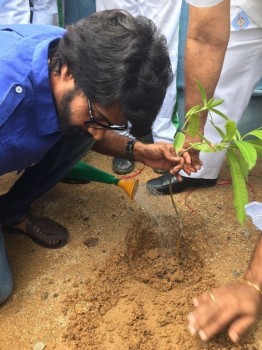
(122, 282)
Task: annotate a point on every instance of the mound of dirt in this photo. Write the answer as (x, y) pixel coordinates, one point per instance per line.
(128, 275)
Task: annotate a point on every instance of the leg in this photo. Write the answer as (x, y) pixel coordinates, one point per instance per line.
(119, 165)
(6, 278)
(40, 178)
(45, 12)
(165, 14)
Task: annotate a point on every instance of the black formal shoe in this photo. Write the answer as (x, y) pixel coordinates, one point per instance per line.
(122, 166)
(160, 185)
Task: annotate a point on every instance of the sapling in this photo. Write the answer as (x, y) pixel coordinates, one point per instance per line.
(242, 151)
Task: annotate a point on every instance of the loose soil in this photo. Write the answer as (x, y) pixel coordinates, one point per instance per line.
(126, 279)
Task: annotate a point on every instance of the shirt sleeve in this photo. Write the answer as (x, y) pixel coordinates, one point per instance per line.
(204, 3)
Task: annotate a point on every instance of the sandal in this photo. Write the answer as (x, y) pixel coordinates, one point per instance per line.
(43, 231)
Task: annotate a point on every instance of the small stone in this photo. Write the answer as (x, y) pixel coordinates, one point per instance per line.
(82, 309)
(153, 254)
(246, 233)
(178, 276)
(39, 346)
(44, 295)
(236, 274)
(91, 242)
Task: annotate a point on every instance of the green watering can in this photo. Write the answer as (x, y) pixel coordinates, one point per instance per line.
(85, 172)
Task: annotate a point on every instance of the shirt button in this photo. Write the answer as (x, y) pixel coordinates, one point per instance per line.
(19, 89)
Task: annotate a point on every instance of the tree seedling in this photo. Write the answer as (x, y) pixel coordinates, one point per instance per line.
(242, 152)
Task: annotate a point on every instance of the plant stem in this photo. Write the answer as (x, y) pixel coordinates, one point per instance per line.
(180, 221)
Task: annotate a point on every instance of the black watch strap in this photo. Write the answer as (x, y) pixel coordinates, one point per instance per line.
(130, 149)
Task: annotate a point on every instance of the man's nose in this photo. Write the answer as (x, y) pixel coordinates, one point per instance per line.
(98, 134)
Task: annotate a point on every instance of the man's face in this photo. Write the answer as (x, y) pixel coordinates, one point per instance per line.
(74, 112)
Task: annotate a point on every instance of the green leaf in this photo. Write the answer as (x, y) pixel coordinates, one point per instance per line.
(193, 125)
(248, 151)
(179, 141)
(238, 134)
(257, 133)
(243, 165)
(209, 102)
(206, 147)
(258, 146)
(230, 129)
(220, 131)
(217, 111)
(239, 186)
(193, 110)
(215, 103)
(202, 91)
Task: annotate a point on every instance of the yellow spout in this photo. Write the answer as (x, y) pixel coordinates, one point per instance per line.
(129, 186)
(86, 172)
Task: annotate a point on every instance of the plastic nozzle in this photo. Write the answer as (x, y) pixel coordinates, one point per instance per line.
(129, 186)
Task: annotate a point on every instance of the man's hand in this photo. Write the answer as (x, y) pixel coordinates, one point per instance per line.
(162, 156)
(196, 163)
(235, 305)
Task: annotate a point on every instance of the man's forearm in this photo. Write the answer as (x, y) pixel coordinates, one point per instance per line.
(254, 270)
(207, 40)
(207, 72)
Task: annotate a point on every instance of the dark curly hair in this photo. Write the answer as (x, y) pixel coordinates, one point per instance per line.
(117, 58)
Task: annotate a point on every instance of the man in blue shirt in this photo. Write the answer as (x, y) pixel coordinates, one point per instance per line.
(64, 92)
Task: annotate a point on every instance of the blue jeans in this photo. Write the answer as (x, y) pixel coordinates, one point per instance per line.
(35, 181)
(6, 278)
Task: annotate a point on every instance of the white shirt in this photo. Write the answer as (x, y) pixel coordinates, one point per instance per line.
(203, 3)
(252, 7)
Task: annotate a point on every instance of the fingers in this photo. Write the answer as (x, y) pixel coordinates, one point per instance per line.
(208, 327)
(239, 327)
(232, 305)
(187, 157)
(192, 162)
(188, 169)
(195, 161)
(211, 315)
(179, 177)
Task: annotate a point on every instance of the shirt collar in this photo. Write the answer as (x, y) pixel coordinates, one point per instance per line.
(47, 121)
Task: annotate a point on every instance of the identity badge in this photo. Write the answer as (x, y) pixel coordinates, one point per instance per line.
(241, 21)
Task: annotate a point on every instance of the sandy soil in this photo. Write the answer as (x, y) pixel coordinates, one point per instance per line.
(123, 281)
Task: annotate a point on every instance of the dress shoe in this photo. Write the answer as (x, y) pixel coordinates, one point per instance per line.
(122, 166)
(160, 185)
(147, 139)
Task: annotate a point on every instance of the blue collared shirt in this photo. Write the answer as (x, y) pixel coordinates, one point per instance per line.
(28, 120)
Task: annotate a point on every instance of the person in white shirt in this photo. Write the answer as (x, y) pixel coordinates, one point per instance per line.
(165, 14)
(242, 71)
(19, 11)
(235, 305)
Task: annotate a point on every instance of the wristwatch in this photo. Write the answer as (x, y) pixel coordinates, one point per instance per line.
(129, 152)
